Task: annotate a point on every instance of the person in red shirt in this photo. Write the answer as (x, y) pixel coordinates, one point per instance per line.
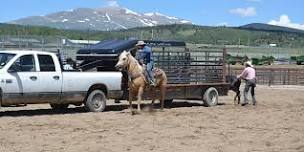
(249, 75)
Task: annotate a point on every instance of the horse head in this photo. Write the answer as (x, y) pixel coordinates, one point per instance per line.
(233, 80)
(123, 61)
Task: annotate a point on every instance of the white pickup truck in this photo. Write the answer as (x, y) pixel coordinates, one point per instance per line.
(34, 77)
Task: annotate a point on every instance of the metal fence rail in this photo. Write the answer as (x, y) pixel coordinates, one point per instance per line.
(274, 75)
(39, 43)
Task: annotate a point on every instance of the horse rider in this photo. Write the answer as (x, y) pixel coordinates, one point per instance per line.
(145, 57)
(249, 75)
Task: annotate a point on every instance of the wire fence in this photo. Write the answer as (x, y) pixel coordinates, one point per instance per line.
(39, 43)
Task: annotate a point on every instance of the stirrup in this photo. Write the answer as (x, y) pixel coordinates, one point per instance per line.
(151, 83)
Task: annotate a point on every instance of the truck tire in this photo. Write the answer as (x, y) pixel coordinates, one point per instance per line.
(96, 101)
(210, 97)
(59, 106)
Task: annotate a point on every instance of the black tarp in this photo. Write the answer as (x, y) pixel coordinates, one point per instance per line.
(118, 46)
(104, 55)
(109, 47)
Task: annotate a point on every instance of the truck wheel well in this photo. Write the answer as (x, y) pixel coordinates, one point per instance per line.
(101, 87)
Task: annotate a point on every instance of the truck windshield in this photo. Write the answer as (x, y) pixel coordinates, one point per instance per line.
(5, 58)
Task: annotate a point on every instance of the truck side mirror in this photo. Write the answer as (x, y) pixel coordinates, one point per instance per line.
(11, 70)
(14, 68)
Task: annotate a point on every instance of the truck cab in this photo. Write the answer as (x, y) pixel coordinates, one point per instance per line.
(33, 77)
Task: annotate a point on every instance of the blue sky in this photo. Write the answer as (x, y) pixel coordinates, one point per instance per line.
(202, 12)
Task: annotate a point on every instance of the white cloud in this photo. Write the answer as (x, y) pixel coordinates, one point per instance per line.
(286, 22)
(112, 3)
(244, 12)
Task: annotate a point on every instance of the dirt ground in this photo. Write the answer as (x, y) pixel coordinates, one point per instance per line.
(275, 124)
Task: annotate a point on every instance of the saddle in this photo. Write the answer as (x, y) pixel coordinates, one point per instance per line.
(157, 73)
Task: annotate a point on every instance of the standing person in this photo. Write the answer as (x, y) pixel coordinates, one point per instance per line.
(145, 56)
(249, 76)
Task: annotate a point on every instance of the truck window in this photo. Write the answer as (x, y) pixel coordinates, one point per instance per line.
(24, 63)
(46, 63)
(5, 58)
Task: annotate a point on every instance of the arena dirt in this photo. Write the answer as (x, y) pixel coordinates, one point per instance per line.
(275, 124)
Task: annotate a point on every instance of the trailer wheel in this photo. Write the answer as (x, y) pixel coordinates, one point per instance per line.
(96, 101)
(210, 97)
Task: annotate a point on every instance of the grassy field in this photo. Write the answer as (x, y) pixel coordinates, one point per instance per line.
(252, 52)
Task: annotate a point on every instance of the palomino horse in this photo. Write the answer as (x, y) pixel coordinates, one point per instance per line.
(137, 80)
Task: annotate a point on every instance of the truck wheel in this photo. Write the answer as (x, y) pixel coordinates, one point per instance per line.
(96, 101)
(210, 97)
(59, 106)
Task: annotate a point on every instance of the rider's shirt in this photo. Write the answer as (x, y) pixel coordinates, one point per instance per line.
(145, 55)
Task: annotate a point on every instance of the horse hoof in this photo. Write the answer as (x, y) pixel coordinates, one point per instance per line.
(135, 112)
(151, 109)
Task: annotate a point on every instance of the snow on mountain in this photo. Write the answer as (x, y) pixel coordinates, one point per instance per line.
(149, 14)
(131, 12)
(108, 18)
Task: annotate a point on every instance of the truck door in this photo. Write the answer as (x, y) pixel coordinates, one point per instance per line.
(22, 81)
(50, 79)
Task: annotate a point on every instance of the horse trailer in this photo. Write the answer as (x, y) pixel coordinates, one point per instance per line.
(195, 74)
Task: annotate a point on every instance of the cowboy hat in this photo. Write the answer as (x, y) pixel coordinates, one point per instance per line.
(139, 43)
(248, 63)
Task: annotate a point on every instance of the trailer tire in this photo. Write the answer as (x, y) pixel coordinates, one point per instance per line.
(210, 97)
(96, 101)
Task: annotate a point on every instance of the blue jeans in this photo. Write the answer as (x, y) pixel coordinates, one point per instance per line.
(150, 71)
(250, 85)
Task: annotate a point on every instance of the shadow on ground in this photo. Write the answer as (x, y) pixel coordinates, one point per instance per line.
(109, 108)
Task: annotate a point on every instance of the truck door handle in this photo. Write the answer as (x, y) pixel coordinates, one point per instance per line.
(34, 78)
(56, 77)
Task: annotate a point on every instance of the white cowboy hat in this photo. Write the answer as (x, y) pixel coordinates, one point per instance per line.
(248, 63)
(139, 43)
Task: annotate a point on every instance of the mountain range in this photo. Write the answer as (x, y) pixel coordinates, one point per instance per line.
(100, 19)
(270, 28)
(122, 23)
(250, 35)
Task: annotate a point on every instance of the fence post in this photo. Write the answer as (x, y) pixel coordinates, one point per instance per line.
(270, 78)
(297, 76)
(288, 76)
(224, 64)
(284, 76)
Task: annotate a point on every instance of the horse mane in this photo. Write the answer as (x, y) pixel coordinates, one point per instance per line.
(134, 65)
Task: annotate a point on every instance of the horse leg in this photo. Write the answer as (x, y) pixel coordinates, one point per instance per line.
(153, 94)
(130, 101)
(239, 96)
(139, 97)
(236, 95)
(162, 97)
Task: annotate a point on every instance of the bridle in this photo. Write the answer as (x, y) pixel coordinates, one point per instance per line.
(131, 67)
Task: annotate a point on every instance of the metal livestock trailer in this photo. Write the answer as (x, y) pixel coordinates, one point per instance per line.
(192, 74)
